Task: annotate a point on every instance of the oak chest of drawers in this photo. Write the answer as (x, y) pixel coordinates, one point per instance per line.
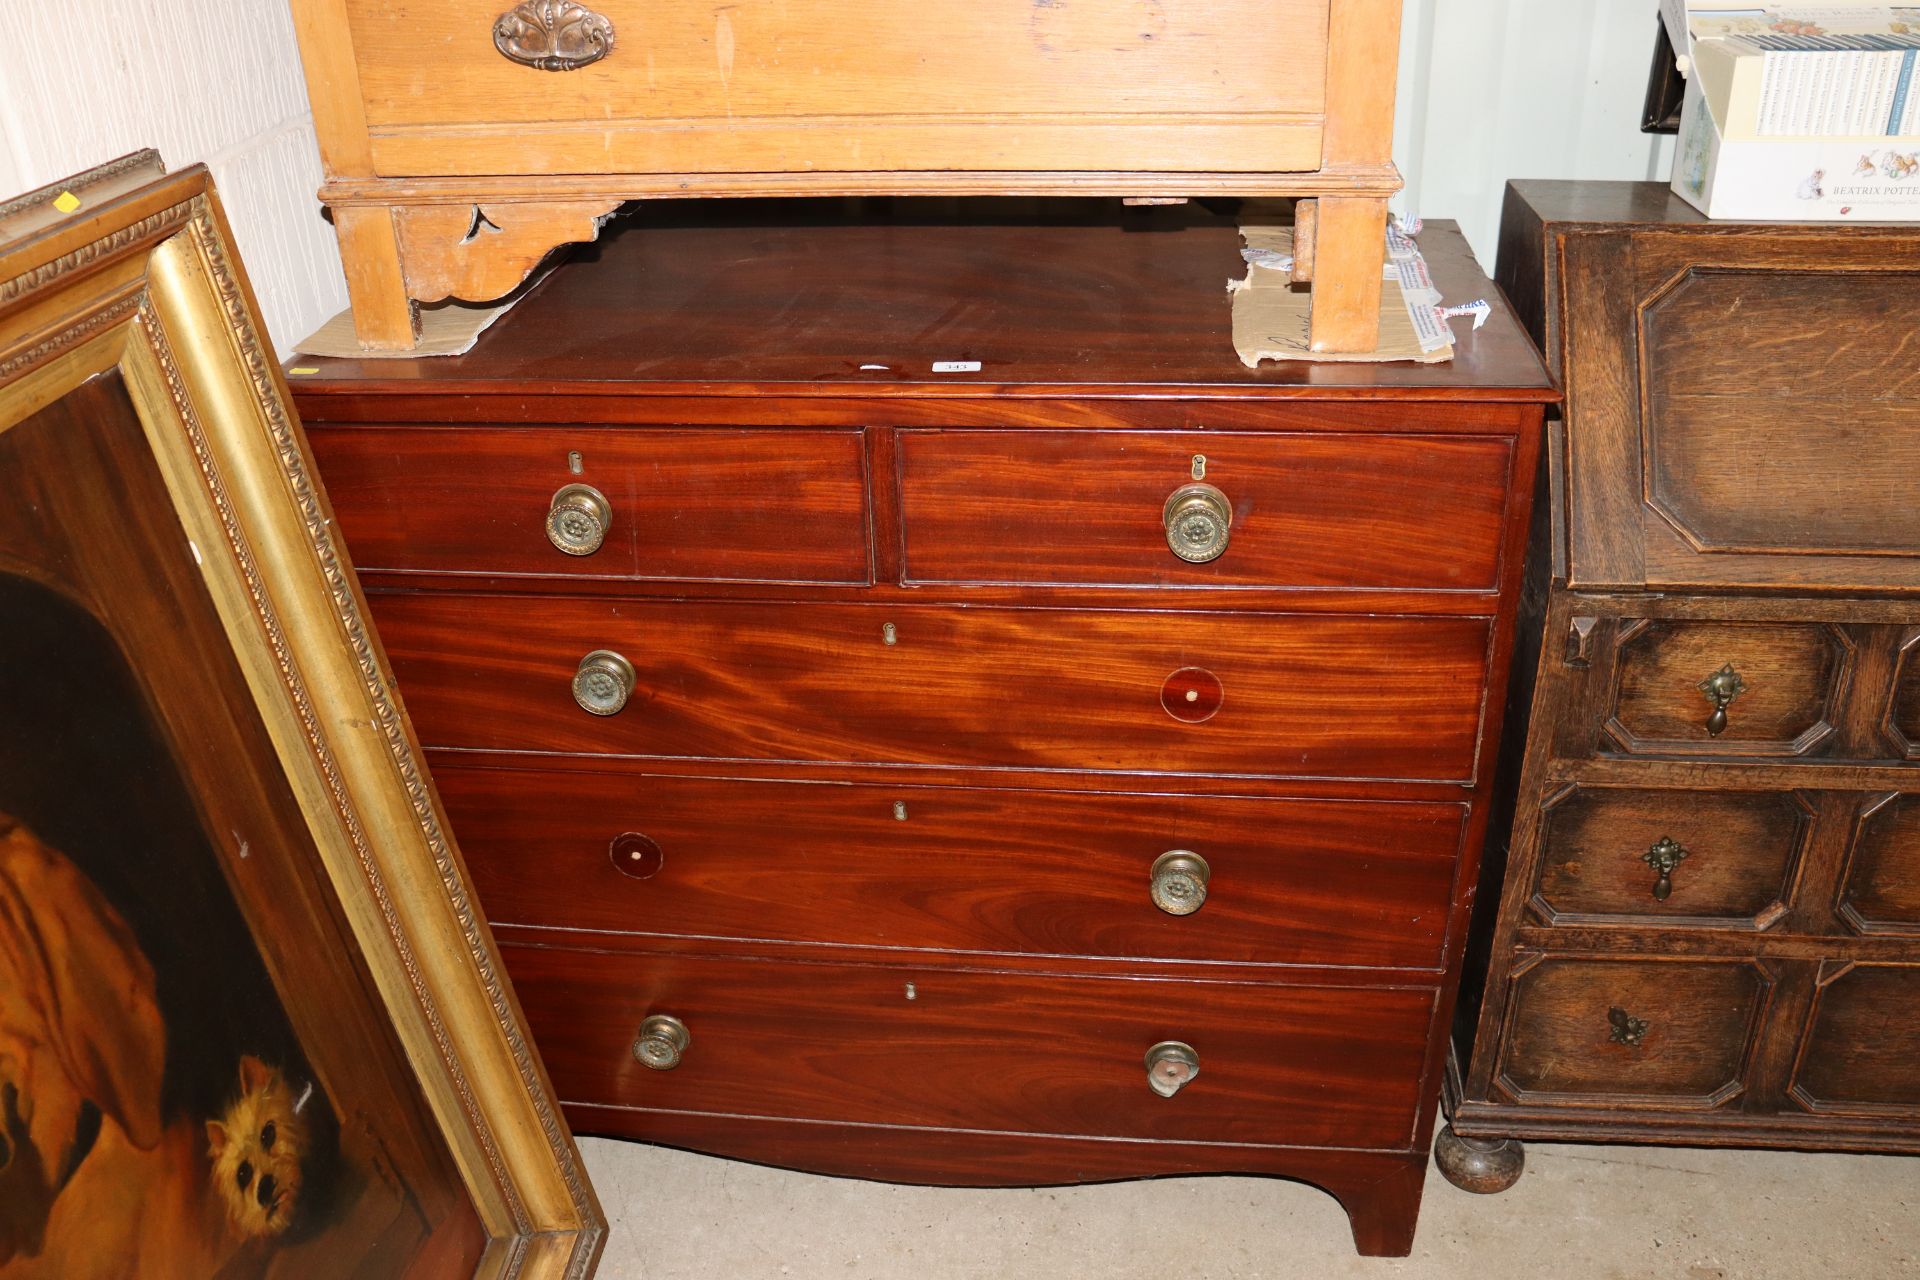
(1710, 931)
(1063, 768)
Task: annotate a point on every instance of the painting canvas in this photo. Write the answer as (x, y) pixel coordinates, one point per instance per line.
(250, 1025)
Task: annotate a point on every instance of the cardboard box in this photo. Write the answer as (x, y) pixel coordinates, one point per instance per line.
(1747, 178)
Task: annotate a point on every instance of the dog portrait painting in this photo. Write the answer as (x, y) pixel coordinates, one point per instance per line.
(158, 1114)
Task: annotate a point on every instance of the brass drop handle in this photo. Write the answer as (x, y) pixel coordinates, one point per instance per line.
(1198, 517)
(1721, 688)
(603, 682)
(552, 35)
(1180, 882)
(1171, 1067)
(578, 519)
(661, 1041)
(1666, 854)
(1627, 1029)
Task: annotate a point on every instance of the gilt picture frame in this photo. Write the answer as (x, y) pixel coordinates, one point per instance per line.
(251, 1020)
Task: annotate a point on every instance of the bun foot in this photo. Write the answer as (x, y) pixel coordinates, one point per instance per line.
(1483, 1166)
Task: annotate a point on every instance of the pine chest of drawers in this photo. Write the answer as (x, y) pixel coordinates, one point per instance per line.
(1061, 769)
(532, 121)
(1710, 931)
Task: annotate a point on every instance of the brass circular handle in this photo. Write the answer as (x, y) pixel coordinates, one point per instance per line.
(603, 682)
(1198, 517)
(1171, 1067)
(661, 1041)
(578, 519)
(1180, 882)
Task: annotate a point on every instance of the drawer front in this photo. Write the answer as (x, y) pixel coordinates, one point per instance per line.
(1270, 694)
(1904, 718)
(1678, 857)
(1882, 889)
(753, 506)
(1308, 511)
(1671, 1032)
(1056, 873)
(767, 86)
(1725, 688)
(1862, 1047)
(1286, 1065)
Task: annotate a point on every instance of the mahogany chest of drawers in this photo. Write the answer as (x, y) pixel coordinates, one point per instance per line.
(1710, 931)
(915, 707)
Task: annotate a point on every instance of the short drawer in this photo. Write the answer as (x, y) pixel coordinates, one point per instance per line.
(1323, 510)
(1674, 1033)
(1881, 891)
(742, 506)
(1725, 688)
(1048, 689)
(1282, 1065)
(1037, 872)
(1677, 857)
(1861, 1051)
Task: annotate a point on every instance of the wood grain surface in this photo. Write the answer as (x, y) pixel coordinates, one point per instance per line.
(1019, 1054)
(1791, 675)
(1038, 872)
(1741, 852)
(761, 86)
(1862, 1050)
(728, 505)
(1062, 297)
(1086, 507)
(1070, 689)
(1700, 1021)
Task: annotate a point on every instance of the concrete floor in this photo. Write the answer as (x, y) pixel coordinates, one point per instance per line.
(1579, 1213)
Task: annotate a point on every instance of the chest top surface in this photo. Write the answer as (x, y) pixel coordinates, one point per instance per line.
(863, 298)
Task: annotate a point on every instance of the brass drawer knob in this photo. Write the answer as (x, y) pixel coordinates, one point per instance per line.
(1197, 517)
(1171, 1067)
(603, 682)
(1721, 688)
(1626, 1029)
(1666, 854)
(1180, 882)
(552, 35)
(578, 519)
(661, 1041)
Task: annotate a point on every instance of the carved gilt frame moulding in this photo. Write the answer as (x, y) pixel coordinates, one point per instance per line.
(464, 141)
(125, 279)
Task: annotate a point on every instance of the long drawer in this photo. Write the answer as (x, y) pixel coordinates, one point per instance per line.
(1284, 1065)
(1036, 872)
(1289, 695)
(1088, 507)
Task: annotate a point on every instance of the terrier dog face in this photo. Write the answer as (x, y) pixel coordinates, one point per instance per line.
(258, 1146)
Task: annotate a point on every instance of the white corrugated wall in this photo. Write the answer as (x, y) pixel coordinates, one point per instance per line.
(1498, 89)
(213, 80)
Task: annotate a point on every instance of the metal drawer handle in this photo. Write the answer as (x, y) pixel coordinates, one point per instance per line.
(1171, 1067)
(578, 519)
(553, 35)
(1180, 882)
(1666, 854)
(603, 682)
(1627, 1029)
(1198, 518)
(661, 1041)
(1721, 688)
